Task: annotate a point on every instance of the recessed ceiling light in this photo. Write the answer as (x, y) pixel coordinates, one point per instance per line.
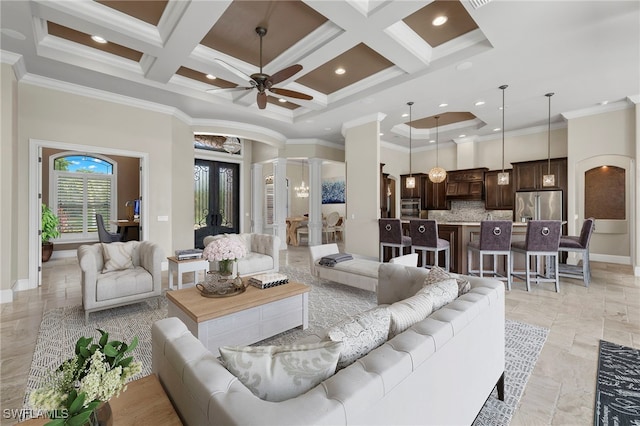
(282, 100)
(98, 39)
(211, 76)
(340, 71)
(479, 103)
(497, 129)
(462, 136)
(432, 141)
(442, 105)
(327, 128)
(405, 115)
(604, 102)
(381, 134)
(439, 20)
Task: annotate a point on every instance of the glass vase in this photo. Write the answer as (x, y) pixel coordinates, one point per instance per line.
(101, 416)
(225, 268)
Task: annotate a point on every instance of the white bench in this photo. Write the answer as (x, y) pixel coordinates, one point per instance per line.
(359, 272)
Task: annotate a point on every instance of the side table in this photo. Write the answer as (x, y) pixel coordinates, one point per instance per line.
(188, 265)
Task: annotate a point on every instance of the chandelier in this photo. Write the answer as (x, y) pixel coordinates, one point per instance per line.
(232, 145)
(437, 174)
(302, 191)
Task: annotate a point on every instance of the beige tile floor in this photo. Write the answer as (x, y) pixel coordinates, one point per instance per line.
(559, 392)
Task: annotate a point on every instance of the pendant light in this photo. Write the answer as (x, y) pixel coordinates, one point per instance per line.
(549, 179)
(302, 191)
(503, 177)
(231, 145)
(411, 180)
(437, 174)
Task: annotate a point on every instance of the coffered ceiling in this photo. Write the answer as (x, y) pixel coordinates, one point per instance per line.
(169, 53)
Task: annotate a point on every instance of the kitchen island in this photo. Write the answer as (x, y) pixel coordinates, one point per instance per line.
(459, 234)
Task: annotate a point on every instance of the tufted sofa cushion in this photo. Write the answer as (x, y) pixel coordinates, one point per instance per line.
(263, 253)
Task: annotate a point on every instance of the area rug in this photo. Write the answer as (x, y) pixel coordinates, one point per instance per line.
(328, 303)
(618, 385)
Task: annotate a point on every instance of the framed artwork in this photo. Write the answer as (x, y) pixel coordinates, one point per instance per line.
(333, 191)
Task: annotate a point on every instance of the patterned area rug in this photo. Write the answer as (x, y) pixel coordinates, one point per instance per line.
(618, 386)
(328, 303)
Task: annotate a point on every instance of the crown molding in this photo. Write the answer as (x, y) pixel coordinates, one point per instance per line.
(16, 61)
(315, 142)
(378, 116)
(242, 130)
(600, 109)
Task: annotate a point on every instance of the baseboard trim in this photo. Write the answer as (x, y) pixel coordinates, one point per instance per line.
(23, 284)
(6, 296)
(621, 260)
(636, 271)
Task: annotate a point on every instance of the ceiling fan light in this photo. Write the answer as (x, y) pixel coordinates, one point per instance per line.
(232, 145)
(437, 175)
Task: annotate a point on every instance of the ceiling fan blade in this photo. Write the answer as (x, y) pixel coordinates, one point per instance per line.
(227, 89)
(262, 100)
(285, 73)
(245, 78)
(291, 93)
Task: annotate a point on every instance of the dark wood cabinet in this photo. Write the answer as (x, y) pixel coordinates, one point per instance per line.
(527, 175)
(466, 184)
(498, 197)
(434, 195)
(453, 234)
(411, 192)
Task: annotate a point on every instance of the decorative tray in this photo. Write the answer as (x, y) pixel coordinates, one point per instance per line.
(220, 292)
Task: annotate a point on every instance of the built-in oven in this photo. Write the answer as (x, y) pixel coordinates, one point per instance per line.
(410, 207)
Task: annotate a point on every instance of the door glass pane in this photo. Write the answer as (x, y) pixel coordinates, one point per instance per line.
(225, 196)
(201, 187)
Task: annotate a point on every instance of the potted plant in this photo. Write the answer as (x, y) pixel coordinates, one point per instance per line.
(50, 230)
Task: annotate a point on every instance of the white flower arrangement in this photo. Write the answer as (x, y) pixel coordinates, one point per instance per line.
(94, 375)
(224, 249)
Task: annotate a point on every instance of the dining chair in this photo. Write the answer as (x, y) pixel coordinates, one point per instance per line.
(390, 235)
(578, 244)
(495, 240)
(103, 235)
(329, 225)
(424, 237)
(542, 239)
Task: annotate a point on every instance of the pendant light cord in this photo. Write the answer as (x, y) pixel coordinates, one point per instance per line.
(437, 143)
(503, 87)
(410, 119)
(549, 95)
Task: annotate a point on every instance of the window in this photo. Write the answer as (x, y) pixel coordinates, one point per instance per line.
(80, 186)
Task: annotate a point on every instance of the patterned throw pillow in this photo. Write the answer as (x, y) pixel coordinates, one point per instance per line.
(437, 274)
(441, 292)
(360, 334)
(117, 256)
(278, 373)
(409, 311)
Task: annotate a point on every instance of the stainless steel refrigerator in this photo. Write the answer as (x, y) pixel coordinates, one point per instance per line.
(538, 205)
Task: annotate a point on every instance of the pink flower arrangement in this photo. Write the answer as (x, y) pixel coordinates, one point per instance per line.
(224, 249)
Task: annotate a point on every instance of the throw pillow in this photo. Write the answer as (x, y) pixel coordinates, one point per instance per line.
(441, 292)
(278, 373)
(117, 256)
(437, 274)
(409, 311)
(360, 334)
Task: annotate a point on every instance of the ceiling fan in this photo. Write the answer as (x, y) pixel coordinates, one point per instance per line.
(264, 82)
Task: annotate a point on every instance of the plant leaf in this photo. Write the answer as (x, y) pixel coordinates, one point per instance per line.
(77, 404)
(56, 422)
(104, 339)
(133, 345)
(79, 419)
(109, 350)
(125, 362)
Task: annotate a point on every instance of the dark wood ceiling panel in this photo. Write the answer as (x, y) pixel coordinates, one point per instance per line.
(199, 76)
(286, 21)
(148, 11)
(276, 101)
(85, 39)
(459, 22)
(359, 62)
(443, 120)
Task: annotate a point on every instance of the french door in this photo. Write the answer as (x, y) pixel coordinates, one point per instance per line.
(217, 199)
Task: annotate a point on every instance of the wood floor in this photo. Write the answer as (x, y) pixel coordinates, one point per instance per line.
(559, 392)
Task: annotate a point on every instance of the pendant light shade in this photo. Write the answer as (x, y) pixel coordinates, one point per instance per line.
(549, 179)
(410, 182)
(503, 177)
(302, 191)
(437, 174)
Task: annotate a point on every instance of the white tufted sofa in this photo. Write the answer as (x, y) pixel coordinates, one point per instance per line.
(440, 371)
(263, 253)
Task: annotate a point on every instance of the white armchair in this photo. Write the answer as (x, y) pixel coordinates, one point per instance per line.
(119, 274)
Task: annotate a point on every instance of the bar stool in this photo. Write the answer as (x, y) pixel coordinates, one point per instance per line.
(391, 236)
(580, 245)
(495, 240)
(542, 239)
(424, 237)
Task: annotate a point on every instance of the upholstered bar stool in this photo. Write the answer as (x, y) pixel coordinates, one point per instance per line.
(580, 245)
(424, 237)
(391, 236)
(542, 239)
(495, 240)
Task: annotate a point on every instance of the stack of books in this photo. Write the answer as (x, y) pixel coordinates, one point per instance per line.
(268, 280)
(189, 254)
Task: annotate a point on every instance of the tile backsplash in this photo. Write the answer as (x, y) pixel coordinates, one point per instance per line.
(468, 211)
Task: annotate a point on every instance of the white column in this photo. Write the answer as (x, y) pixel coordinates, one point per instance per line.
(315, 201)
(280, 200)
(257, 198)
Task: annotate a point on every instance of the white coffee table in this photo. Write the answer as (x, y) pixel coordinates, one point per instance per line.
(243, 319)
